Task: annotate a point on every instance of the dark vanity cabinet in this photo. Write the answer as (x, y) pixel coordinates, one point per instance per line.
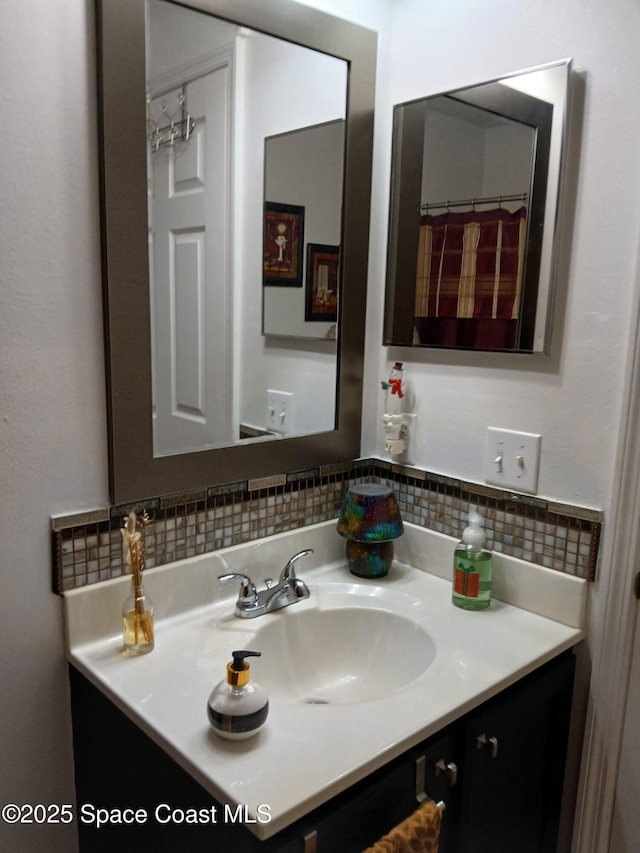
(498, 769)
(513, 766)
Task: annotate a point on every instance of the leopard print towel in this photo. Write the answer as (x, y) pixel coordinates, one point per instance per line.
(419, 833)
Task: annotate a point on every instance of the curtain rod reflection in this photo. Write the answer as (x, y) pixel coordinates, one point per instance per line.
(472, 202)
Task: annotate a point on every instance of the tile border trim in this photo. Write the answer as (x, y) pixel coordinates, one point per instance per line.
(86, 546)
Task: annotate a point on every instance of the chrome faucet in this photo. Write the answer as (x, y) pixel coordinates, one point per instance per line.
(288, 590)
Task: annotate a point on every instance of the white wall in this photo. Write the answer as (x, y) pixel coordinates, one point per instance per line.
(179, 36)
(460, 395)
(574, 397)
(453, 159)
(267, 108)
(464, 160)
(305, 168)
(52, 403)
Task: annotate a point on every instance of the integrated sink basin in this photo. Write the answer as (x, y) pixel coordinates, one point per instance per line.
(339, 655)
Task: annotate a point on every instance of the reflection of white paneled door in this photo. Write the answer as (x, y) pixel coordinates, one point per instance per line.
(190, 294)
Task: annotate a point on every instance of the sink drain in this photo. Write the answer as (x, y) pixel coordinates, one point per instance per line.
(314, 701)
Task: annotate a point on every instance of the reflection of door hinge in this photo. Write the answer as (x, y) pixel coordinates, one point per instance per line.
(636, 586)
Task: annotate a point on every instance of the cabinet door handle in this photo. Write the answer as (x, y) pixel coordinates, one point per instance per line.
(421, 794)
(311, 841)
(421, 766)
(490, 743)
(450, 771)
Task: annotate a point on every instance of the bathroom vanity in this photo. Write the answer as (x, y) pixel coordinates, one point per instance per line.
(471, 709)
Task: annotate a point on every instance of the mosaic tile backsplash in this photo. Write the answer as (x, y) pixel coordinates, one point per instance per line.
(87, 546)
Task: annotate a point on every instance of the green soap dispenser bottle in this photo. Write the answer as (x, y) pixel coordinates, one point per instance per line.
(472, 567)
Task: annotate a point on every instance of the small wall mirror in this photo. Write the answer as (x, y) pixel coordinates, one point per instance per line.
(203, 108)
(475, 184)
(304, 168)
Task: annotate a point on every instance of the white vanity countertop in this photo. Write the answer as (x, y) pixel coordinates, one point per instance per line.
(306, 753)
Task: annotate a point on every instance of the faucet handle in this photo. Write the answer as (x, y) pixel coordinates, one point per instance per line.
(289, 572)
(248, 593)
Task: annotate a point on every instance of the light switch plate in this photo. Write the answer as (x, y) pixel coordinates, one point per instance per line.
(280, 411)
(513, 459)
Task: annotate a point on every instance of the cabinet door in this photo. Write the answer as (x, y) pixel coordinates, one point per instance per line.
(514, 757)
(358, 818)
(441, 782)
(354, 822)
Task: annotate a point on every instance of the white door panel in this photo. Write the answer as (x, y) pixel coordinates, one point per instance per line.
(188, 174)
(188, 299)
(190, 215)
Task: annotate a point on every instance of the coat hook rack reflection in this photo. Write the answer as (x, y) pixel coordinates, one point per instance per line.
(178, 128)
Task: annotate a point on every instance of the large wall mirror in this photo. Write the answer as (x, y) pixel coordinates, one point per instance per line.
(475, 186)
(203, 107)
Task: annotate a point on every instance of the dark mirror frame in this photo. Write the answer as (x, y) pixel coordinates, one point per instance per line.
(134, 472)
(405, 202)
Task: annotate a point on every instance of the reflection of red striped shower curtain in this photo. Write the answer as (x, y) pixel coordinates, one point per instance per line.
(469, 278)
